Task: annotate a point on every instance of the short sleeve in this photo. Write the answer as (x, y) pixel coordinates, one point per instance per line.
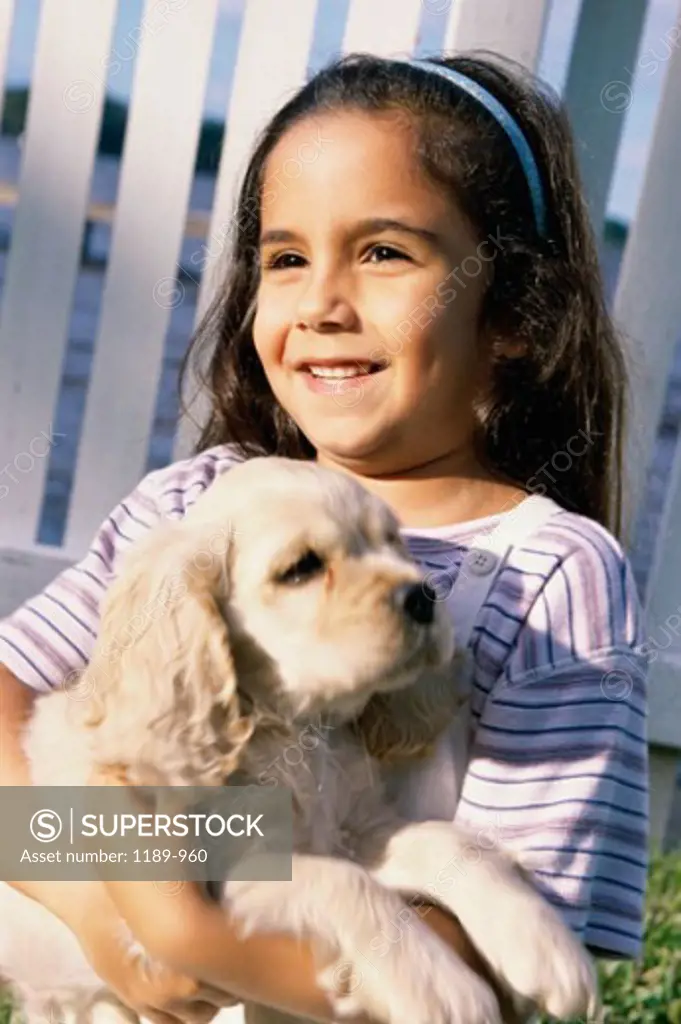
(52, 634)
(559, 764)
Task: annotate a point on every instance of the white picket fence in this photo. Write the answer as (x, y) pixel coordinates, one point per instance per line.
(173, 51)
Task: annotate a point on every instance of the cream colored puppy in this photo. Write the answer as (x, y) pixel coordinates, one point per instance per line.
(285, 599)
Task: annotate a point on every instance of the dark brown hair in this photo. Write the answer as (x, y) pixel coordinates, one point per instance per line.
(554, 420)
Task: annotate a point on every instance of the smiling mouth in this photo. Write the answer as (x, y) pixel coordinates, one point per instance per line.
(342, 372)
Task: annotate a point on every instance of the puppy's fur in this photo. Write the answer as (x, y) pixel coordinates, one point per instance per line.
(286, 599)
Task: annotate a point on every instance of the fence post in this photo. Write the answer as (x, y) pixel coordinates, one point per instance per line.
(513, 28)
(598, 91)
(59, 150)
(648, 298)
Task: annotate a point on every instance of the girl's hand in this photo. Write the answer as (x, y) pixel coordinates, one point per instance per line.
(148, 987)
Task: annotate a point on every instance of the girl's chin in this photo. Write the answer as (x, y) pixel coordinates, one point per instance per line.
(352, 445)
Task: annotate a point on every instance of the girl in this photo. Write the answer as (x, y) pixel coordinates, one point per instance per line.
(413, 299)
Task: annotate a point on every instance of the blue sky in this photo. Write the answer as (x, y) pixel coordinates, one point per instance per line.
(647, 84)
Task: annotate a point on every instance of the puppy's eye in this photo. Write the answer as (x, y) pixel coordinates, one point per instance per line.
(304, 569)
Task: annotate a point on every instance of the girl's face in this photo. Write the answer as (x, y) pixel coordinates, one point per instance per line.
(368, 270)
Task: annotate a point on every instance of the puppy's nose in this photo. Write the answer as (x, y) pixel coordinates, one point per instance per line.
(418, 601)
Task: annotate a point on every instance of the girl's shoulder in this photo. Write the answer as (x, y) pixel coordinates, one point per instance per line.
(174, 488)
(564, 594)
(568, 534)
(571, 588)
(573, 555)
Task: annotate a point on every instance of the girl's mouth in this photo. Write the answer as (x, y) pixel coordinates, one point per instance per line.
(341, 379)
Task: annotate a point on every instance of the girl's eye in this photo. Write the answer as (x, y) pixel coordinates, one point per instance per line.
(283, 261)
(380, 253)
(384, 252)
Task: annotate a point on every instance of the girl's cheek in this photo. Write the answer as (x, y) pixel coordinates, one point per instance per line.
(269, 324)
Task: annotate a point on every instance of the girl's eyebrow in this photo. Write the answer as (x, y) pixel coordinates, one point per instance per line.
(371, 225)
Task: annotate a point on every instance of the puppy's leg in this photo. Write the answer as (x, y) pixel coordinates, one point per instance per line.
(353, 921)
(519, 933)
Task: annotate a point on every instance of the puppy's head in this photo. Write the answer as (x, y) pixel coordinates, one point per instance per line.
(325, 601)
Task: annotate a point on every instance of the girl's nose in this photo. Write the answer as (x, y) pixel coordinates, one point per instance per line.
(325, 306)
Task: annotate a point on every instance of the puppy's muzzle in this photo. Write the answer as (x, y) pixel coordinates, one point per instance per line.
(417, 600)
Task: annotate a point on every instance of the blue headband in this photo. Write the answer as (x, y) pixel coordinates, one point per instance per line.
(506, 121)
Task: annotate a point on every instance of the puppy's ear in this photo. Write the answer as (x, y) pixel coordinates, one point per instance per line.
(162, 675)
(406, 724)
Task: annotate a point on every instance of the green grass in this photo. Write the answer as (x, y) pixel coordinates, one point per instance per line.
(650, 992)
(5, 1008)
(644, 993)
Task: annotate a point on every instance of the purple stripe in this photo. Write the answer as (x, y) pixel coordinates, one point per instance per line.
(500, 781)
(32, 664)
(549, 655)
(55, 629)
(596, 831)
(609, 560)
(135, 518)
(584, 674)
(589, 878)
(570, 614)
(524, 755)
(68, 584)
(106, 540)
(612, 930)
(560, 705)
(585, 801)
(64, 608)
(116, 528)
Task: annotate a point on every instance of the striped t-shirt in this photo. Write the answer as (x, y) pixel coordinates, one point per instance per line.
(558, 765)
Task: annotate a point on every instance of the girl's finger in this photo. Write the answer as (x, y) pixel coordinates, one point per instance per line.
(194, 1012)
(218, 996)
(159, 1017)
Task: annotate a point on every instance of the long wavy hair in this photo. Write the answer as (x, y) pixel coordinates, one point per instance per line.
(554, 419)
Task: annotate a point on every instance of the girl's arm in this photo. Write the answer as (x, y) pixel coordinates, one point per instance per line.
(16, 707)
(196, 937)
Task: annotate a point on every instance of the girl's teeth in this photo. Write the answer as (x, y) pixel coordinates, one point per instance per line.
(338, 371)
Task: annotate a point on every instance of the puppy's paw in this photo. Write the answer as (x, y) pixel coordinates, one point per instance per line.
(417, 979)
(554, 969)
(537, 956)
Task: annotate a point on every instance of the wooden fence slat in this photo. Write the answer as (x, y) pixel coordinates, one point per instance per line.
(507, 26)
(155, 183)
(266, 73)
(663, 595)
(6, 18)
(663, 642)
(63, 123)
(597, 93)
(383, 27)
(648, 298)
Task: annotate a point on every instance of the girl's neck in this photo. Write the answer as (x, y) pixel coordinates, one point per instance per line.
(452, 488)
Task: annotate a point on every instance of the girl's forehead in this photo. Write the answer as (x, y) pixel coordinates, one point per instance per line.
(347, 156)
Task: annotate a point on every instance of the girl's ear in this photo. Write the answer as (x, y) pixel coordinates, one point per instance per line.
(162, 676)
(405, 724)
